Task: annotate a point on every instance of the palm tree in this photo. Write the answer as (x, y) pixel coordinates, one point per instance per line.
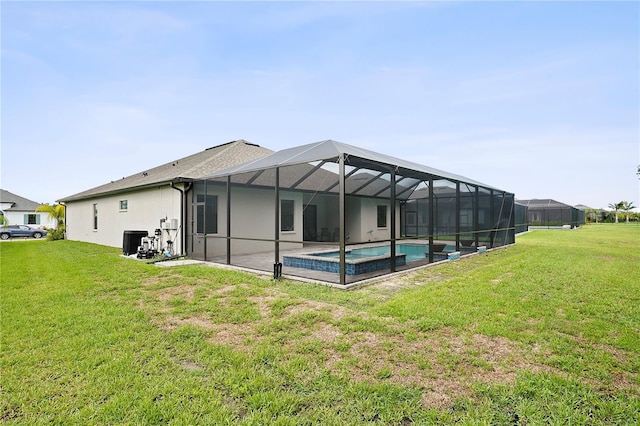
(56, 213)
(626, 207)
(616, 207)
(592, 215)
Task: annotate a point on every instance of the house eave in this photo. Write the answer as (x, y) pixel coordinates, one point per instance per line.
(125, 190)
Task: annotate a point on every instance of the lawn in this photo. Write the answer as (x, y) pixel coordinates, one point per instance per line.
(543, 332)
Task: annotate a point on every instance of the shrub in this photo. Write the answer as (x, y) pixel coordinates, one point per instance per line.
(56, 234)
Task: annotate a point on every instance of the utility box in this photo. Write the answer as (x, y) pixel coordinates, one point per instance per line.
(131, 241)
(170, 224)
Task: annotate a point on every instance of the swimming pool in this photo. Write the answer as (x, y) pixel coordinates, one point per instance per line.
(364, 260)
(412, 252)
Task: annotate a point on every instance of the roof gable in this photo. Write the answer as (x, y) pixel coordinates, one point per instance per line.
(16, 202)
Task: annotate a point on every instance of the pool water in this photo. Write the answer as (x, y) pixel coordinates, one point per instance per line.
(412, 252)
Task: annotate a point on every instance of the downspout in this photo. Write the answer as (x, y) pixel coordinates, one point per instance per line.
(183, 210)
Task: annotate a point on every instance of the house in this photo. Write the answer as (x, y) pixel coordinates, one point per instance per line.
(154, 199)
(21, 211)
(591, 214)
(338, 213)
(548, 213)
(325, 211)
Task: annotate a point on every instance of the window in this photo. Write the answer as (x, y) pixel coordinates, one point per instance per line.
(206, 210)
(95, 217)
(481, 218)
(207, 214)
(466, 217)
(32, 219)
(424, 213)
(123, 205)
(286, 215)
(411, 218)
(382, 216)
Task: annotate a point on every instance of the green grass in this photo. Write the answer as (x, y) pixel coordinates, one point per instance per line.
(544, 332)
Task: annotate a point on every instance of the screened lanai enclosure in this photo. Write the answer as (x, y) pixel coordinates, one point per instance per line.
(547, 213)
(336, 213)
(521, 217)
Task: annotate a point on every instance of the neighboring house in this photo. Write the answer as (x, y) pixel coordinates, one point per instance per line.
(157, 198)
(591, 214)
(547, 213)
(21, 211)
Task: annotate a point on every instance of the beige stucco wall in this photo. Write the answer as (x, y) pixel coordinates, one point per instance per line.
(362, 220)
(145, 208)
(252, 216)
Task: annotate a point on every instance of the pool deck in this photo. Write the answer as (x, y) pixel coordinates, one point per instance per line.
(263, 263)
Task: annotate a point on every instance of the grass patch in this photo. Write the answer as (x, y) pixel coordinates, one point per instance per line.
(547, 331)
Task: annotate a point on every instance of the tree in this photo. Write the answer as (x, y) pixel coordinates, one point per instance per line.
(56, 213)
(616, 207)
(593, 215)
(626, 207)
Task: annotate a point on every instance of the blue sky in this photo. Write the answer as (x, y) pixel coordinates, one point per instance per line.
(537, 98)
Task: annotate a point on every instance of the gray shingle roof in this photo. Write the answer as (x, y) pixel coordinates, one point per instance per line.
(18, 203)
(583, 207)
(195, 166)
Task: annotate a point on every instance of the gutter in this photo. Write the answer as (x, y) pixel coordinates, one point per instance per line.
(129, 189)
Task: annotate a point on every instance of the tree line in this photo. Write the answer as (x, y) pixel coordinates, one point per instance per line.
(623, 206)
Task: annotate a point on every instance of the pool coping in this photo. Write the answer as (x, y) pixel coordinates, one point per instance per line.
(356, 267)
(332, 264)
